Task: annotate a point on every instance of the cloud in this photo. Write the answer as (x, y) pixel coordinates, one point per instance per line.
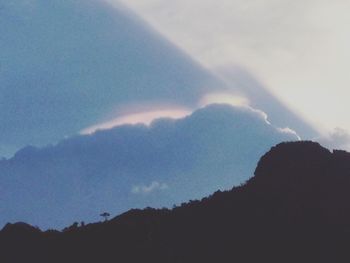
(139, 118)
(148, 115)
(214, 148)
(245, 84)
(144, 189)
(338, 139)
(288, 130)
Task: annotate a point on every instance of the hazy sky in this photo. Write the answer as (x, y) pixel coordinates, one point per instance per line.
(67, 65)
(299, 49)
(69, 68)
(79, 65)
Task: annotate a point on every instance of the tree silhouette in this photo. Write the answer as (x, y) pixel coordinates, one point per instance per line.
(105, 215)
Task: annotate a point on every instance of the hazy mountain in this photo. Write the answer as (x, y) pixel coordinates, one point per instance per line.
(295, 209)
(169, 162)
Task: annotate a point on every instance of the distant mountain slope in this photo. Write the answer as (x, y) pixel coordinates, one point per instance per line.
(170, 162)
(66, 65)
(295, 209)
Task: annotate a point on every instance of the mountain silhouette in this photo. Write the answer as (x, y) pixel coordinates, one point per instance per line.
(295, 209)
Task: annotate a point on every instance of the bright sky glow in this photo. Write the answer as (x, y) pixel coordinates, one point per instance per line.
(145, 117)
(299, 49)
(224, 98)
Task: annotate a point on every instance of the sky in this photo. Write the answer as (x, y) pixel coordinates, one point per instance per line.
(298, 49)
(102, 110)
(68, 65)
(76, 66)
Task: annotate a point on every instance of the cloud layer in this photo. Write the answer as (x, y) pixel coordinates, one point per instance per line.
(214, 148)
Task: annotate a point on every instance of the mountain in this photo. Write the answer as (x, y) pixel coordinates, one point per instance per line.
(67, 65)
(135, 166)
(295, 209)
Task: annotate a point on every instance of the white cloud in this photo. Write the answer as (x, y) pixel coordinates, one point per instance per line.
(288, 130)
(147, 189)
(149, 116)
(338, 139)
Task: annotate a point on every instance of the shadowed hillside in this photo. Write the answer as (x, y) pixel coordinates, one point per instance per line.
(295, 209)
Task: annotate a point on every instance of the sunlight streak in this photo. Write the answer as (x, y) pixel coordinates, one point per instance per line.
(224, 98)
(145, 118)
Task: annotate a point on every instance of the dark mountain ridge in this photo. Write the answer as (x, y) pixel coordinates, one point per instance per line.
(295, 209)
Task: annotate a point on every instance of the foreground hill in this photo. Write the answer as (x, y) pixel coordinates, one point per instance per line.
(295, 209)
